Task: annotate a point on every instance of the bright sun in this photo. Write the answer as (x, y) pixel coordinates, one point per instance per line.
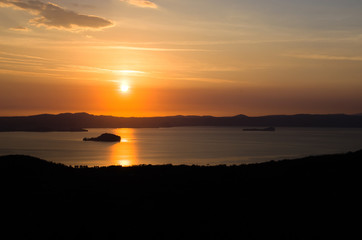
(124, 88)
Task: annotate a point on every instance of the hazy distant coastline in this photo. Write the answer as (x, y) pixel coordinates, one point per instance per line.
(81, 121)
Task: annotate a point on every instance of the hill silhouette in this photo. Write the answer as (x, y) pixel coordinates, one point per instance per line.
(316, 197)
(82, 121)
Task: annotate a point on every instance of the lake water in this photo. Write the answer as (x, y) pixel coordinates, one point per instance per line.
(180, 145)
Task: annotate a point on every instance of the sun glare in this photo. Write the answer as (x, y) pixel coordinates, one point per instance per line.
(124, 88)
(124, 163)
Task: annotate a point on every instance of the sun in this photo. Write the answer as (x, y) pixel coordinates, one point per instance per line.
(124, 88)
(124, 163)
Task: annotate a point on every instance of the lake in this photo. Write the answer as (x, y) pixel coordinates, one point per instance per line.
(181, 145)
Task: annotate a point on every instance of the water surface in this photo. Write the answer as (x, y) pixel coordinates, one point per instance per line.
(180, 145)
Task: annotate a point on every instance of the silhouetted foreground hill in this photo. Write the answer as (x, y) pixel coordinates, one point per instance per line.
(81, 121)
(310, 198)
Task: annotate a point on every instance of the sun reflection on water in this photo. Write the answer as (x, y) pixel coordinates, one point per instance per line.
(125, 152)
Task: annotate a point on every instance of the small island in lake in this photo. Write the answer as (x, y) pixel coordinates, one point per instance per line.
(271, 129)
(105, 137)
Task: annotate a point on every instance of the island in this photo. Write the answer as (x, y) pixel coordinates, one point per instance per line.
(105, 137)
(268, 129)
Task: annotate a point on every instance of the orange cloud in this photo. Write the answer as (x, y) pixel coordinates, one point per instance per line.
(51, 15)
(141, 3)
(20, 29)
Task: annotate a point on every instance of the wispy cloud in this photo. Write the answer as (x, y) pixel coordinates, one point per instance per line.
(20, 29)
(153, 49)
(115, 44)
(325, 57)
(51, 15)
(21, 56)
(207, 80)
(141, 3)
(40, 65)
(81, 68)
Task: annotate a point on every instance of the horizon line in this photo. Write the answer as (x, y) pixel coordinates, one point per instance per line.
(182, 115)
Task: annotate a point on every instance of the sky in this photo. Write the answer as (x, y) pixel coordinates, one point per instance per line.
(180, 57)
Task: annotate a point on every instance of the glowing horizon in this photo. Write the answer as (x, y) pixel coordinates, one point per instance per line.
(219, 58)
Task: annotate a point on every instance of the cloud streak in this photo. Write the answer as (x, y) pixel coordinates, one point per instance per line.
(153, 49)
(141, 3)
(51, 15)
(9, 62)
(324, 57)
(19, 29)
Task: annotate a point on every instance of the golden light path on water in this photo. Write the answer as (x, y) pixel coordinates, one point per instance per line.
(125, 152)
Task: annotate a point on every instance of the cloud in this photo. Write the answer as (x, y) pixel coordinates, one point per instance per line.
(153, 49)
(20, 29)
(51, 15)
(141, 3)
(324, 57)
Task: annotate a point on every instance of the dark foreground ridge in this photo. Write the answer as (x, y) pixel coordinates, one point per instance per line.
(82, 121)
(311, 198)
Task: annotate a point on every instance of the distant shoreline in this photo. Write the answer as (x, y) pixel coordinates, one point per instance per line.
(76, 122)
(29, 160)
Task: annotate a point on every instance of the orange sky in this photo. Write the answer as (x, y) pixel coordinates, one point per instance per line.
(180, 57)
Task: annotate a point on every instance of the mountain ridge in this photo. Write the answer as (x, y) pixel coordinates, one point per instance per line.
(81, 121)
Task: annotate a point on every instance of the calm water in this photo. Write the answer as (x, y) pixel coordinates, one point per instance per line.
(182, 145)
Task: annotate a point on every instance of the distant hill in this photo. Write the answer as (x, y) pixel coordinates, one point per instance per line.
(82, 121)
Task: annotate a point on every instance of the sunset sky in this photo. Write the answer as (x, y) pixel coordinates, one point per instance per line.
(203, 57)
